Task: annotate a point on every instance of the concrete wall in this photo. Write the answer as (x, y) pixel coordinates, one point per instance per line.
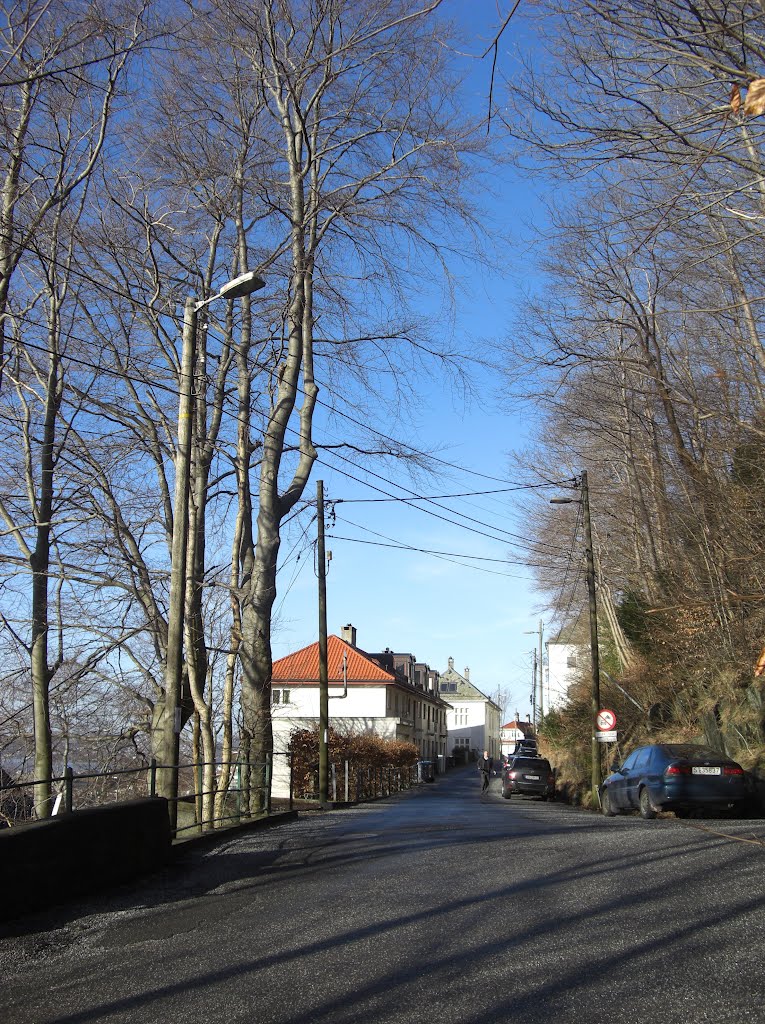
(51, 861)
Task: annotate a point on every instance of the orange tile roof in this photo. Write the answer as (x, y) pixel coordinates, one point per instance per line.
(520, 726)
(303, 665)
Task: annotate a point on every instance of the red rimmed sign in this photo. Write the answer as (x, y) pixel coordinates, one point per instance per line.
(605, 720)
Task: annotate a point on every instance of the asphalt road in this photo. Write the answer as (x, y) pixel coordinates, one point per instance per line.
(439, 905)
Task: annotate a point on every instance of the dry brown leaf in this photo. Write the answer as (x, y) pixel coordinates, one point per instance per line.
(735, 99)
(754, 103)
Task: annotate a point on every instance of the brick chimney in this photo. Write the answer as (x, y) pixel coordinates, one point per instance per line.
(348, 633)
(466, 673)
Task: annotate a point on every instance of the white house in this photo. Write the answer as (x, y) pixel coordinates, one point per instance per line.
(388, 694)
(513, 731)
(473, 719)
(565, 663)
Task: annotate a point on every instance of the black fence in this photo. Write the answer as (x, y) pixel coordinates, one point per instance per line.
(240, 789)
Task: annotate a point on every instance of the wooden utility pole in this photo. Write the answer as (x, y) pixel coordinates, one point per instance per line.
(541, 676)
(593, 636)
(323, 668)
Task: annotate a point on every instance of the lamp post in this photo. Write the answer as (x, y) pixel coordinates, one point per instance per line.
(594, 655)
(168, 751)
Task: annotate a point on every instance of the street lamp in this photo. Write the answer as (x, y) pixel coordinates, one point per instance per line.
(167, 779)
(595, 701)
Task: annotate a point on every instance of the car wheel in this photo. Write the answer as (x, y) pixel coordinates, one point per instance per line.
(647, 809)
(506, 794)
(605, 804)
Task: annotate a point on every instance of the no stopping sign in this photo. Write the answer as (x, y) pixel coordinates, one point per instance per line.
(605, 720)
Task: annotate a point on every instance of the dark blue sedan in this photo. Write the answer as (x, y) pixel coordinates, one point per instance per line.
(679, 777)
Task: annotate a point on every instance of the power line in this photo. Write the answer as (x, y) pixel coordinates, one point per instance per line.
(462, 494)
(445, 555)
(411, 499)
(199, 379)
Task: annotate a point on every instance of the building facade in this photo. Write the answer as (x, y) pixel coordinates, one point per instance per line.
(565, 663)
(388, 694)
(473, 719)
(513, 731)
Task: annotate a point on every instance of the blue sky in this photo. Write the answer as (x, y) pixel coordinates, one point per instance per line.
(436, 607)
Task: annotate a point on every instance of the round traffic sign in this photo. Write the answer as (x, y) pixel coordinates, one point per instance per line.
(606, 720)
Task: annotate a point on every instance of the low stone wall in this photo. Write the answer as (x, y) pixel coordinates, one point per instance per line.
(49, 862)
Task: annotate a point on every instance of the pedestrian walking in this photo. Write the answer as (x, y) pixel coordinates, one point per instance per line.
(485, 765)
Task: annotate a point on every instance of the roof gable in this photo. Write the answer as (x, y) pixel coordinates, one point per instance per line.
(525, 727)
(303, 665)
(457, 687)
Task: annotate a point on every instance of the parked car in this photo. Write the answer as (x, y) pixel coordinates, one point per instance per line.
(528, 776)
(679, 777)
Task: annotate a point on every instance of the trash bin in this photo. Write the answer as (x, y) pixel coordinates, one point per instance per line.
(425, 771)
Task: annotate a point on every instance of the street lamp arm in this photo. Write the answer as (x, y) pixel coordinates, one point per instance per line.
(244, 284)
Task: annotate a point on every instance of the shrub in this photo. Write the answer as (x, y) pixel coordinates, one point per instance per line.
(366, 754)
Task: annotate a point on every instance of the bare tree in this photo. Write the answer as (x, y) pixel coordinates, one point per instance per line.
(54, 129)
(646, 351)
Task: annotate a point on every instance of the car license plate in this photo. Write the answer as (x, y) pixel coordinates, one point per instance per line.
(535, 778)
(705, 771)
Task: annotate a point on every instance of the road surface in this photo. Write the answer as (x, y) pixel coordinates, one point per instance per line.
(438, 905)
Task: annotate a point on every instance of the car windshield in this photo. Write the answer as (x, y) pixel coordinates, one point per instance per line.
(693, 751)
(528, 763)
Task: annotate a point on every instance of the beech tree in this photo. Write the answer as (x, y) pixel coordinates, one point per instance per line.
(646, 350)
(323, 146)
(366, 156)
(62, 66)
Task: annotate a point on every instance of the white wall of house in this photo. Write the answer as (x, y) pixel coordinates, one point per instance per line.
(509, 737)
(565, 663)
(385, 711)
(303, 702)
(471, 724)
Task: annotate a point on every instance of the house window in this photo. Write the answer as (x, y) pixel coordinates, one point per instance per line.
(571, 660)
(280, 696)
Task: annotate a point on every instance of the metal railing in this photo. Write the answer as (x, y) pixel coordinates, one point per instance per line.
(229, 801)
(230, 798)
